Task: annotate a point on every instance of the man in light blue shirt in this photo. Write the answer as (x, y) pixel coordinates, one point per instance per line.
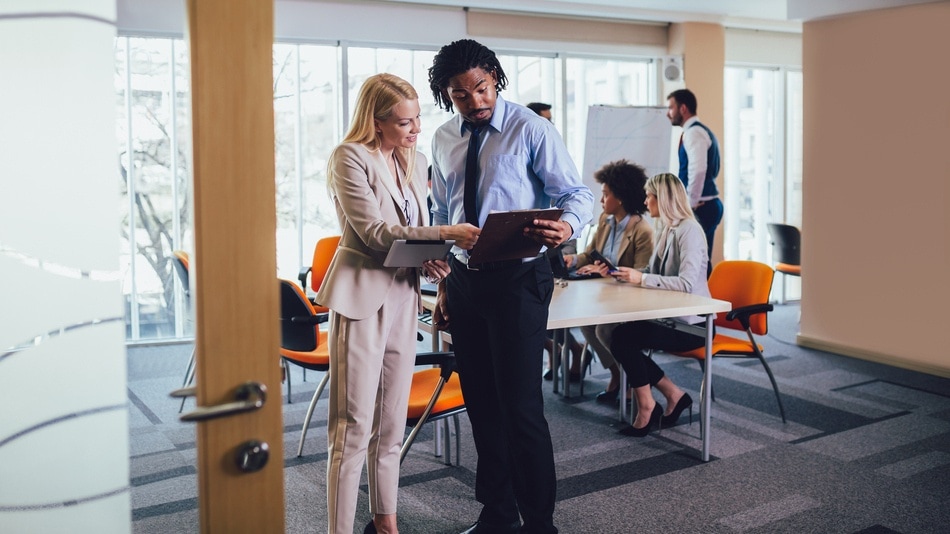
(524, 164)
(499, 156)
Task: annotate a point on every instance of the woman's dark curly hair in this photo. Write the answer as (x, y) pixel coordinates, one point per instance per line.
(626, 181)
(459, 57)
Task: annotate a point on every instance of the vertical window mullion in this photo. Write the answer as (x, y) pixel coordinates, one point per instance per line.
(780, 149)
(130, 187)
(344, 88)
(298, 153)
(176, 216)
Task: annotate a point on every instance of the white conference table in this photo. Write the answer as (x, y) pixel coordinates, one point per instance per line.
(605, 301)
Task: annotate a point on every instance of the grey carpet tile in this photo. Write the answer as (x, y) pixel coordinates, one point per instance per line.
(923, 463)
(866, 449)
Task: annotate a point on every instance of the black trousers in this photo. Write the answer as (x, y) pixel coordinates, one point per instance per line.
(631, 339)
(498, 321)
(709, 215)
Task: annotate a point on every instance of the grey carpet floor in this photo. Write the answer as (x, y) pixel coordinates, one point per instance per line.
(866, 449)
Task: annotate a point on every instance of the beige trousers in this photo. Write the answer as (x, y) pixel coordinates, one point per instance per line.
(599, 337)
(371, 365)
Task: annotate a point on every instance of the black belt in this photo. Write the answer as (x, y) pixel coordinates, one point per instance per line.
(492, 266)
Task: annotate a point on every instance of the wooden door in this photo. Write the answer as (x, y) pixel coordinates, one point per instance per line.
(236, 292)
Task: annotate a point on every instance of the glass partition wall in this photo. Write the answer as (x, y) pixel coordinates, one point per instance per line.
(315, 88)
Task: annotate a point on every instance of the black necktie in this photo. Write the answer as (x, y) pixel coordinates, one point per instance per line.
(471, 177)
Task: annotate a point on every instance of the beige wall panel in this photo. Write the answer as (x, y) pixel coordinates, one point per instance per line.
(875, 226)
(542, 28)
(756, 47)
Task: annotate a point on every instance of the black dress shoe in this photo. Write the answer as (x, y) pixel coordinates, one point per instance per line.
(482, 527)
(685, 402)
(655, 417)
(607, 397)
(370, 528)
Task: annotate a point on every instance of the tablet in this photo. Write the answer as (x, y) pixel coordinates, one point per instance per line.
(412, 252)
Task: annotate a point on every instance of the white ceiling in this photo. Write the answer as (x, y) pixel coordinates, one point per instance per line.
(644, 10)
(782, 15)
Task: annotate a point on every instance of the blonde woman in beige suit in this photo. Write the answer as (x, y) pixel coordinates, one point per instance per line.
(378, 186)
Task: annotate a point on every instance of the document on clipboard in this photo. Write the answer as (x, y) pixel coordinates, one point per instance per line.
(412, 252)
(502, 237)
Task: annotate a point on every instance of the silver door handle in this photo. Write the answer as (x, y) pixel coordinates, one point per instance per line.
(248, 397)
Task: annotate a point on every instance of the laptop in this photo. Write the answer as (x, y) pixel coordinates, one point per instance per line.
(560, 268)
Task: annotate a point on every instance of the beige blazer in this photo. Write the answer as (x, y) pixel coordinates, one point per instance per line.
(371, 212)
(636, 245)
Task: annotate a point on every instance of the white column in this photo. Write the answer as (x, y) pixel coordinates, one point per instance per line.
(63, 405)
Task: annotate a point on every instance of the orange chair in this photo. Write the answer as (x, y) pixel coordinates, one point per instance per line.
(746, 284)
(786, 251)
(436, 394)
(301, 343)
(322, 255)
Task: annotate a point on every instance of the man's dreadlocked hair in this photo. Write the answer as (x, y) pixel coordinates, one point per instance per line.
(459, 57)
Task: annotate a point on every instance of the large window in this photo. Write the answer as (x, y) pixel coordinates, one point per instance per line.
(307, 122)
(608, 82)
(763, 159)
(154, 132)
(315, 89)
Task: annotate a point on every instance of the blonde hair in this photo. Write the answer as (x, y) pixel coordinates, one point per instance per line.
(378, 96)
(671, 199)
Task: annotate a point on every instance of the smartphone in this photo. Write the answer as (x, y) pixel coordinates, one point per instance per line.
(597, 256)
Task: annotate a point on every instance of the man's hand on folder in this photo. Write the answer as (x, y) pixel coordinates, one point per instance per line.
(465, 235)
(549, 233)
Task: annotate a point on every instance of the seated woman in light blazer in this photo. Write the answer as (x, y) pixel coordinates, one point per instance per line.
(678, 264)
(625, 238)
(378, 186)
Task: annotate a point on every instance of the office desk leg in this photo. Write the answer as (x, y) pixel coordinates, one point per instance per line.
(565, 363)
(707, 387)
(555, 364)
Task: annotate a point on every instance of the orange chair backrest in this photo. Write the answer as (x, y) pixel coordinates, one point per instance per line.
(181, 256)
(742, 283)
(322, 255)
(181, 265)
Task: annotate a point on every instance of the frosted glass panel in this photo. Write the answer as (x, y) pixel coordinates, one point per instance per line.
(64, 455)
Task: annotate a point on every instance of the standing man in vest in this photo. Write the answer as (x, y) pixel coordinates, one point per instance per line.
(699, 164)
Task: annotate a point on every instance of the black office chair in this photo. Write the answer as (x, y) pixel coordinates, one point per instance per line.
(302, 344)
(786, 251)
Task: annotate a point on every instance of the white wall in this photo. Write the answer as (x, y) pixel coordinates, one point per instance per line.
(63, 399)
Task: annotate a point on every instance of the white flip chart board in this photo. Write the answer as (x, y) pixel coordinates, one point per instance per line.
(639, 134)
